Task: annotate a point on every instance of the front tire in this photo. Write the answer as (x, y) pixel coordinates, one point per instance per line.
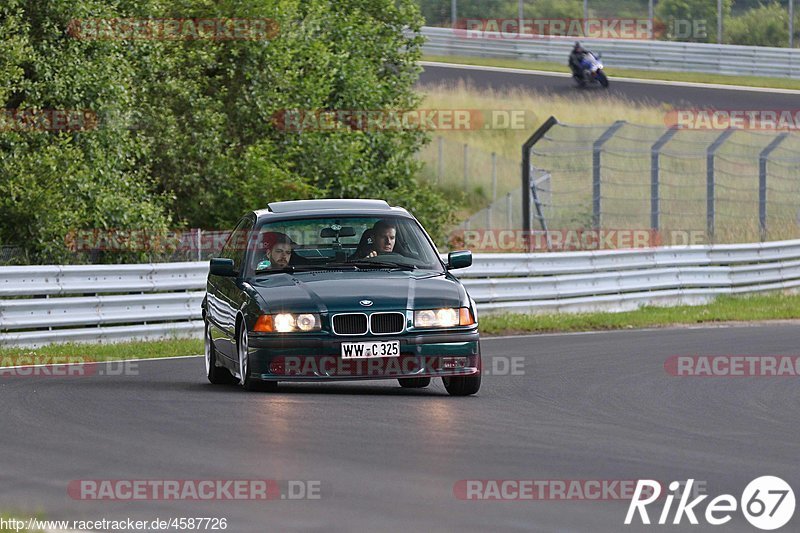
(248, 382)
(602, 78)
(216, 374)
(462, 385)
(414, 383)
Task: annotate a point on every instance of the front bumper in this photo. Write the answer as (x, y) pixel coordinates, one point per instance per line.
(318, 358)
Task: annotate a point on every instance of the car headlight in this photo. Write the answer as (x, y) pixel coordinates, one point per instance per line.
(447, 317)
(288, 322)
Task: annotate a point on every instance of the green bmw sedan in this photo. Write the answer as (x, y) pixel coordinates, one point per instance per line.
(324, 290)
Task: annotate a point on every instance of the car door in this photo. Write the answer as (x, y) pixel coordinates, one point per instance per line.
(225, 294)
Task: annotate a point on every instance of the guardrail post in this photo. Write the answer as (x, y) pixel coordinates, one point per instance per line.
(526, 170)
(597, 148)
(710, 192)
(655, 196)
(762, 183)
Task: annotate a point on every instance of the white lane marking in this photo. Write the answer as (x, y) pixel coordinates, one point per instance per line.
(613, 78)
(674, 327)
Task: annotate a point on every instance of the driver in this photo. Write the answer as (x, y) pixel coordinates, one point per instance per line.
(278, 249)
(384, 237)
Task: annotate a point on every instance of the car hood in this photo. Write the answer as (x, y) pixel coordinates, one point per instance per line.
(333, 292)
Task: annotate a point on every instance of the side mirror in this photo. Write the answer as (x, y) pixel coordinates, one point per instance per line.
(222, 267)
(460, 259)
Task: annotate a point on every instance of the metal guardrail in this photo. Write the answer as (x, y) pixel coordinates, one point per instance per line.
(100, 303)
(622, 53)
(40, 305)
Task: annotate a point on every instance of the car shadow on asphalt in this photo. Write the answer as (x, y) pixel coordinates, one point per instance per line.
(329, 388)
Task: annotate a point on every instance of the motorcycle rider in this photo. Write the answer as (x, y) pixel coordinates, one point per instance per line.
(575, 59)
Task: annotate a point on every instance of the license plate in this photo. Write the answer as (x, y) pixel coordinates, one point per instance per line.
(368, 350)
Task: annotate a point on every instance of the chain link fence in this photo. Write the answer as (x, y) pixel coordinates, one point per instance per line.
(728, 186)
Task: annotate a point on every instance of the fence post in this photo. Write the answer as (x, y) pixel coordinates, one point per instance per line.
(710, 189)
(199, 244)
(494, 177)
(585, 18)
(526, 170)
(440, 163)
(509, 218)
(762, 183)
(597, 148)
(655, 153)
(466, 165)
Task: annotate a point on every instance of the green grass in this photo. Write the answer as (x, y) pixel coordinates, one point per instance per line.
(695, 77)
(108, 352)
(723, 309)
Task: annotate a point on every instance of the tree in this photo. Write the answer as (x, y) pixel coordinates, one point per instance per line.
(186, 131)
(765, 25)
(683, 17)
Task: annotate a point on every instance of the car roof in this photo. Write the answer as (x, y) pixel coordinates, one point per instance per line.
(330, 207)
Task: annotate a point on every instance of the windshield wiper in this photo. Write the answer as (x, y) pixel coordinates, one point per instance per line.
(291, 269)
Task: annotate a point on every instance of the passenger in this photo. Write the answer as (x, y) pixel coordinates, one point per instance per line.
(278, 249)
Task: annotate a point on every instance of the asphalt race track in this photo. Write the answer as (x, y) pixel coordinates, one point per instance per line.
(651, 92)
(579, 407)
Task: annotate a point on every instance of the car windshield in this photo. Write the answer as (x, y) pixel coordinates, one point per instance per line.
(341, 243)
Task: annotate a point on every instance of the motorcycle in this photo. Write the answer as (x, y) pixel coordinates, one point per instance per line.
(591, 71)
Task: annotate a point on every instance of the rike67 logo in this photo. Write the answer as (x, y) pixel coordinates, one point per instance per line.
(767, 503)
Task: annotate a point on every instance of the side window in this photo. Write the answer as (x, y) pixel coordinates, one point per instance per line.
(236, 245)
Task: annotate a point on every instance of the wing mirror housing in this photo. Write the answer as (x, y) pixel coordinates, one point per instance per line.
(222, 267)
(460, 259)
